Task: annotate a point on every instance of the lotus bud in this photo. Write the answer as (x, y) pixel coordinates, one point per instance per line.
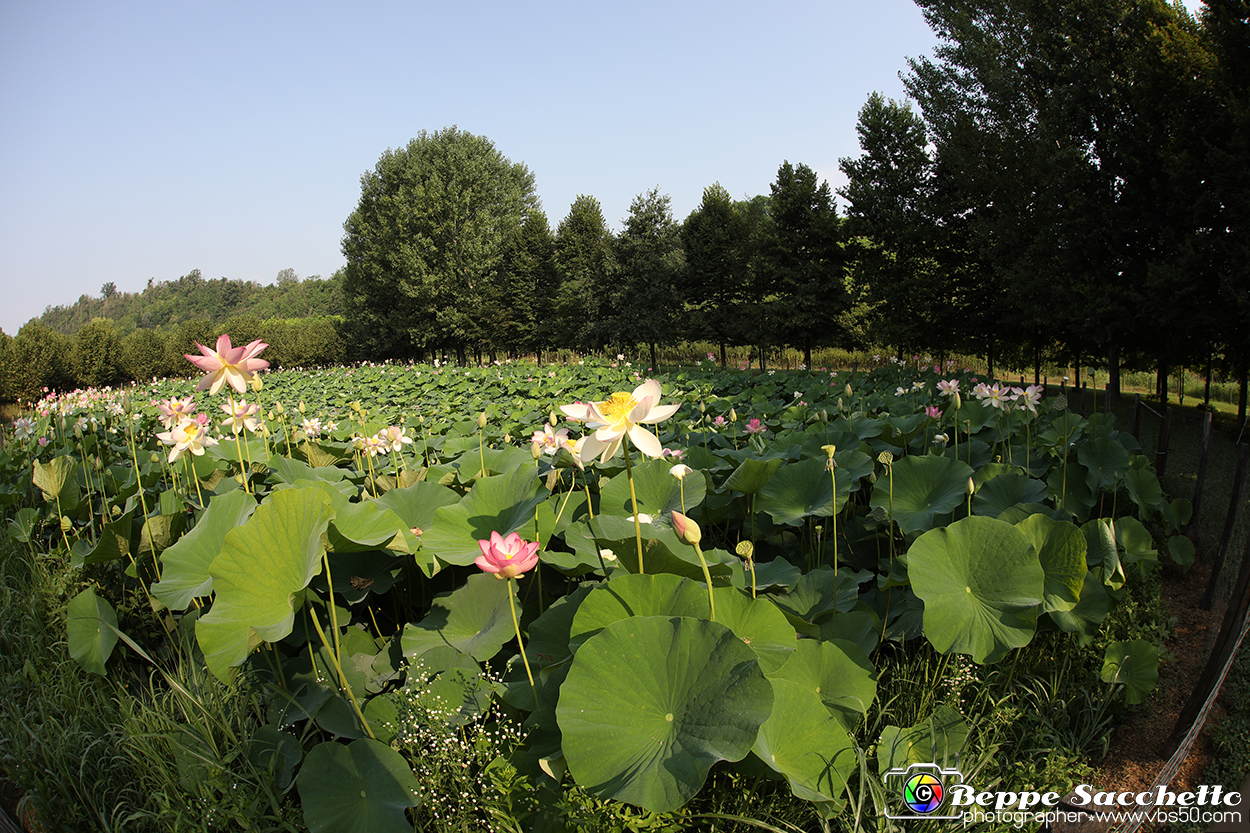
(702, 408)
(959, 403)
(536, 450)
(421, 420)
(77, 430)
(277, 406)
(481, 420)
(686, 529)
(850, 394)
(256, 383)
(839, 403)
(552, 418)
(824, 415)
(745, 549)
(154, 458)
(972, 487)
(733, 415)
(303, 409)
(507, 438)
(98, 463)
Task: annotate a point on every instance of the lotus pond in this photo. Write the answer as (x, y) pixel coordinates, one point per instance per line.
(516, 597)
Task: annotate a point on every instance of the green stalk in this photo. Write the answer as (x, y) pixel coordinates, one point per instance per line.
(633, 497)
(337, 666)
(707, 576)
(519, 641)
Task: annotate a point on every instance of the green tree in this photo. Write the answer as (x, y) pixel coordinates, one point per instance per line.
(715, 282)
(644, 305)
(42, 358)
(806, 260)
(583, 260)
(521, 302)
(430, 230)
(97, 356)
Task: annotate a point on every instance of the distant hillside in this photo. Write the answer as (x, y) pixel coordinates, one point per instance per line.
(192, 297)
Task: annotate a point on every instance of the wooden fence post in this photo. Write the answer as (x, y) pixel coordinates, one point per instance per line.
(1137, 416)
(1234, 504)
(1202, 467)
(1165, 436)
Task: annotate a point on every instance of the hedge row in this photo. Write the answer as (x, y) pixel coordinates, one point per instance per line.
(97, 356)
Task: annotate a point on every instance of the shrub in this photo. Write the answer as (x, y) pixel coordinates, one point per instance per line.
(181, 340)
(6, 367)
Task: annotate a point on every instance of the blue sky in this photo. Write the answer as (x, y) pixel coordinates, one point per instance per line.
(144, 140)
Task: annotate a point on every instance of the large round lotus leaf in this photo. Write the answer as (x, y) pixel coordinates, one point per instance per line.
(861, 627)
(91, 628)
(1135, 665)
(822, 591)
(658, 492)
(1144, 488)
(1106, 462)
(416, 504)
(363, 787)
(1087, 616)
(838, 672)
(263, 564)
(651, 703)
(981, 584)
(504, 503)
(475, 619)
(636, 595)
(801, 490)
(808, 746)
(1005, 491)
(751, 475)
(184, 566)
(758, 623)
(1061, 550)
(923, 487)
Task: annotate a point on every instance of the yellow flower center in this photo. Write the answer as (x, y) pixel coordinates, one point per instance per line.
(617, 407)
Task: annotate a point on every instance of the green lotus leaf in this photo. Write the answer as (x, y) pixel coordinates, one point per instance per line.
(504, 503)
(803, 742)
(416, 504)
(91, 628)
(262, 566)
(1135, 540)
(114, 542)
(652, 702)
(801, 490)
(1135, 665)
(185, 565)
(1144, 489)
(1086, 618)
(659, 492)
(981, 583)
(757, 622)
(1006, 490)
(1106, 463)
(549, 634)
(923, 488)
(1102, 553)
(838, 672)
(1060, 548)
(56, 480)
(475, 619)
(1070, 492)
(938, 739)
(363, 787)
(1182, 550)
(860, 626)
(286, 469)
(273, 750)
(368, 526)
(751, 475)
(822, 591)
(659, 594)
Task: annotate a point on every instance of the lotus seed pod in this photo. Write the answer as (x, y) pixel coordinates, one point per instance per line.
(745, 549)
(829, 450)
(1059, 403)
(878, 514)
(481, 420)
(885, 458)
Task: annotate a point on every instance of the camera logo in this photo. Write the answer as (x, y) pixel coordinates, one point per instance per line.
(922, 790)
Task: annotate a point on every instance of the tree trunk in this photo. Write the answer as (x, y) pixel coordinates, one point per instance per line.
(990, 361)
(1161, 382)
(807, 356)
(762, 358)
(1206, 389)
(1243, 374)
(1113, 373)
(1037, 362)
(655, 361)
(460, 357)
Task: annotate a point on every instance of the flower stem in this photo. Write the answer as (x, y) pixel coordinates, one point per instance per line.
(629, 475)
(707, 576)
(519, 641)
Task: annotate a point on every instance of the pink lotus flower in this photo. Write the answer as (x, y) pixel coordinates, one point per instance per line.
(173, 410)
(719, 422)
(236, 365)
(948, 387)
(548, 440)
(509, 557)
(933, 412)
(188, 435)
(240, 416)
(754, 426)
